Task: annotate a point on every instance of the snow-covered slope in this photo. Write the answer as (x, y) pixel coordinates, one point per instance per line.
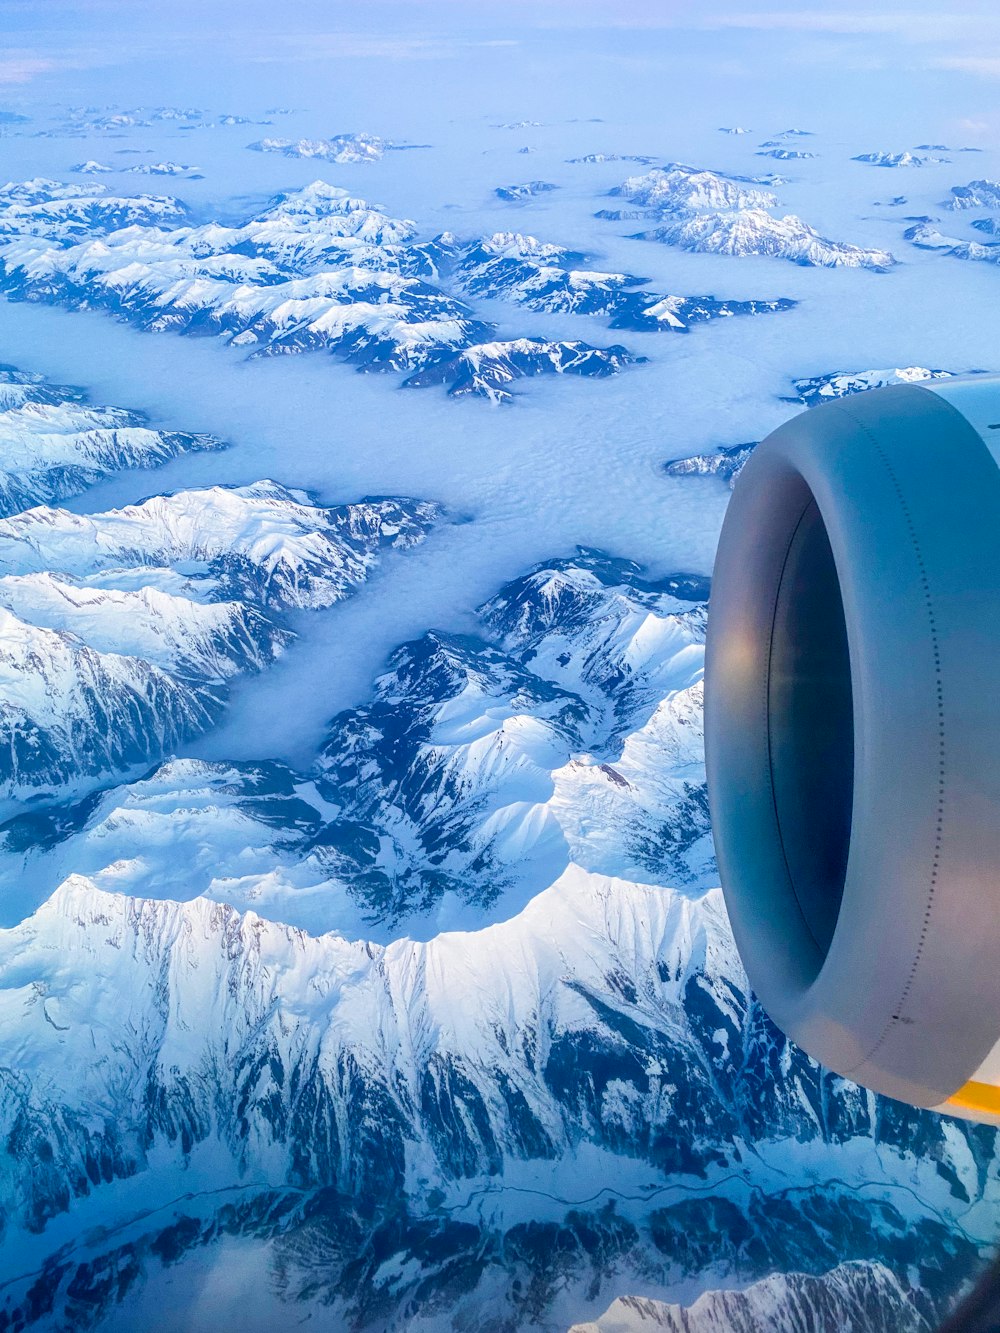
(905, 159)
(519, 268)
(926, 236)
(54, 444)
(838, 383)
(754, 232)
(121, 629)
(977, 194)
(339, 148)
(581, 1093)
(854, 1298)
(682, 189)
(527, 190)
(48, 209)
(318, 269)
(727, 463)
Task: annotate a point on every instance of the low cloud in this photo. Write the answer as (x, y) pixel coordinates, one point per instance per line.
(16, 68)
(987, 66)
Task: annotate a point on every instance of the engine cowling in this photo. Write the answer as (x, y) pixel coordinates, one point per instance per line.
(852, 714)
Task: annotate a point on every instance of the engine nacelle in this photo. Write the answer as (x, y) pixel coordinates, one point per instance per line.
(852, 715)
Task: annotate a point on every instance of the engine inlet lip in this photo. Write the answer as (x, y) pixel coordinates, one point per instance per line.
(898, 988)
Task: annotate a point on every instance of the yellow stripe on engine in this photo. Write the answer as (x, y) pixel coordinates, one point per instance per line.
(976, 1098)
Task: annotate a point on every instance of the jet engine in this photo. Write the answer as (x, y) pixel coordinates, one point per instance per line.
(852, 715)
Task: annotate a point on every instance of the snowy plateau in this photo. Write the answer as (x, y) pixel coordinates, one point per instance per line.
(363, 962)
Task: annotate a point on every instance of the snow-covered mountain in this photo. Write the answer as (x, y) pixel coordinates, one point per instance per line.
(594, 159)
(853, 1298)
(54, 444)
(727, 463)
(681, 189)
(187, 172)
(786, 154)
(365, 1107)
(905, 159)
(926, 236)
(723, 214)
(519, 268)
(488, 369)
(481, 764)
(751, 231)
(48, 209)
(527, 190)
(122, 629)
(318, 269)
(339, 148)
(977, 194)
(814, 389)
(81, 121)
(263, 542)
(579, 1093)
